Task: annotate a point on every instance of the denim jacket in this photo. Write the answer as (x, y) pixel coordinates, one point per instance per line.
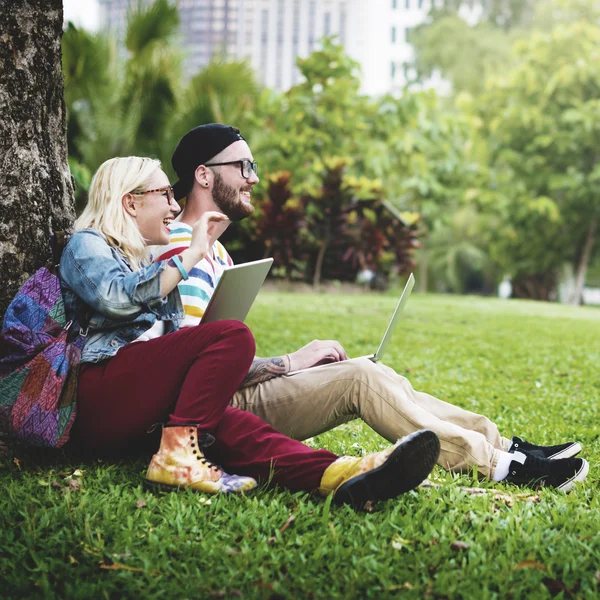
(120, 304)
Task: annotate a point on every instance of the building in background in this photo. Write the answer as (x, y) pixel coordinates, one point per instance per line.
(84, 14)
(273, 33)
(113, 15)
(208, 27)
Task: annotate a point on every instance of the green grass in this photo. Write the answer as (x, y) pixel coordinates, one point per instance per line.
(532, 368)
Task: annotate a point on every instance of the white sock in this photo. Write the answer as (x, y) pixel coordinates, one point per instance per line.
(503, 464)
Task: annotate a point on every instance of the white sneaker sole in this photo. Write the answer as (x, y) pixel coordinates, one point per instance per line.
(568, 485)
(570, 451)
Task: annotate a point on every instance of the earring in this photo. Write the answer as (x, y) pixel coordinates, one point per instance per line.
(206, 184)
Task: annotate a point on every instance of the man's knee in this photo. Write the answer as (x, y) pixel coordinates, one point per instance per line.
(363, 369)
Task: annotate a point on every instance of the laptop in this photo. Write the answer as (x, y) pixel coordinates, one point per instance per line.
(236, 290)
(387, 336)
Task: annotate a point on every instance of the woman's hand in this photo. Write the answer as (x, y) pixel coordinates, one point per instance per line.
(199, 247)
(202, 233)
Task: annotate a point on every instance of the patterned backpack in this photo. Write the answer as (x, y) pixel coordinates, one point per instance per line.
(39, 360)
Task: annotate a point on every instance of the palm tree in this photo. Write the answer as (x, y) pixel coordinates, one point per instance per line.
(153, 74)
(223, 92)
(119, 105)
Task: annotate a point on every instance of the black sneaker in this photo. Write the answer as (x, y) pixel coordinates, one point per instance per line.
(536, 472)
(409, 462)
(553, 452)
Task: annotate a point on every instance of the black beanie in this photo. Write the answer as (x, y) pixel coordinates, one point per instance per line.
(196, 148)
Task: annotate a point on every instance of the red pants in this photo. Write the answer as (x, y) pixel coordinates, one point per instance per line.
(186, 377)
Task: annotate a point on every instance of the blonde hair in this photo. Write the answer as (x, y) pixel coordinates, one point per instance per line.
(104, 211)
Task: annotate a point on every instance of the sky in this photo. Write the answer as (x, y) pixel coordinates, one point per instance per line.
(84, 13)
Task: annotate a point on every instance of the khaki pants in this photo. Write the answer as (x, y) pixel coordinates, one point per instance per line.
(310, 403)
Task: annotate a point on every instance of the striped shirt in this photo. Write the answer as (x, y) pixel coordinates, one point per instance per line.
(204, 276)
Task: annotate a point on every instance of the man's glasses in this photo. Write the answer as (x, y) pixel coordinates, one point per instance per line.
(166, 191)
(246, 166)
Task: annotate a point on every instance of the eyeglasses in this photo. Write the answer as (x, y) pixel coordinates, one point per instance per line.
(246, 166)
(166, 191)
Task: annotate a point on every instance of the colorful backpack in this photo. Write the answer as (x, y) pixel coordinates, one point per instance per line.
(39, 360)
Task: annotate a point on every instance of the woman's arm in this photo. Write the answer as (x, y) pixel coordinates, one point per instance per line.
(89, 268)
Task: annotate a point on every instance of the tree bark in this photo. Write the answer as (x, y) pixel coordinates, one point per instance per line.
(584, 262)
(37, 192)
(324, 244)
(319, 264)
(423, 266)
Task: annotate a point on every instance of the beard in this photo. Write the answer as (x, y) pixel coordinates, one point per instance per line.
(227, 198)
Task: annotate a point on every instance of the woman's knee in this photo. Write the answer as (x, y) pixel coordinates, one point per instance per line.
(236, 332)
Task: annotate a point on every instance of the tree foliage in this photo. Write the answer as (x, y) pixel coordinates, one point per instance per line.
(323, 131)
(501, 177)
(462, 54)
(542, 124)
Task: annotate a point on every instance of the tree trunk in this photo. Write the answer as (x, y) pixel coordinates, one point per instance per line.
(37, 193)
(584, 262)
(319, 264)
(423, 268)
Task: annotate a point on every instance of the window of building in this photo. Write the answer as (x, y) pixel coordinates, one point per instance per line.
(312, 11)
(343, 18)
(327, 23)
(393, 69)
(393, 35)
(280, 23)
(264, 26)
(295, 29)
(295, 39)
(394, 4)
(248, 29)
(407, 3)
(264, 38)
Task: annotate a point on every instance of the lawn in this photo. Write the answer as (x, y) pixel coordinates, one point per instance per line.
(88, 530)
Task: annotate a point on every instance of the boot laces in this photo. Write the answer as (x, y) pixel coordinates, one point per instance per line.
(204, 441)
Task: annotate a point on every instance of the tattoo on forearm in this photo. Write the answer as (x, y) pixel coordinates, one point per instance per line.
(263, 369)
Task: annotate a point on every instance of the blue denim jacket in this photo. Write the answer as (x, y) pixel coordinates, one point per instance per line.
(121, 304)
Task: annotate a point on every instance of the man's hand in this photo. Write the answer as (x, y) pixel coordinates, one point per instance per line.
(317, 352)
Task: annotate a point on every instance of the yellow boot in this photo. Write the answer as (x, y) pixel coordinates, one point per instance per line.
(382, 475)
(180, 462)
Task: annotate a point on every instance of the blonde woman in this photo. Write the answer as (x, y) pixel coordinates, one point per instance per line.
(139, 368)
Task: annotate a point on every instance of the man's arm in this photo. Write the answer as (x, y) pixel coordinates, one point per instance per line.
(263, 369)
(317, 352)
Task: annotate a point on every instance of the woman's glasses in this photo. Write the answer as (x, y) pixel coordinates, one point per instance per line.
(166, 191)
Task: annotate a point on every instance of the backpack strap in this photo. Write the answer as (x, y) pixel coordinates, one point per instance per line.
(58, 242)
